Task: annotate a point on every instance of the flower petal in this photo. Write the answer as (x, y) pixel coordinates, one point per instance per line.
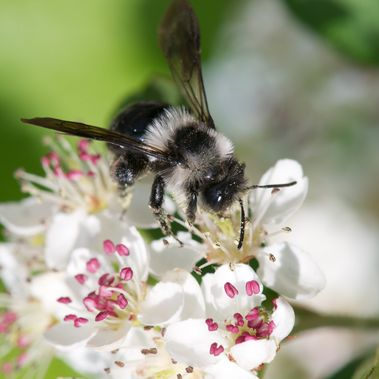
(189, 342)
(284, 319)
(219, 304)
(251, 354)
(66, 335)
(275, 208)
(167, 257)
(108, 339)
(61, 238)
(25, 218)
(224, 369)
(163, 304)
(293, 273)
(193, 301)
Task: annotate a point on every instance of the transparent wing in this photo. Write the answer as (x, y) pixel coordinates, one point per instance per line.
(93, 132)
(179, 38)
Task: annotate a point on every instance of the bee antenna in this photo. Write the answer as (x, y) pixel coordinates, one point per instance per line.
(273, 185)
(242, 227)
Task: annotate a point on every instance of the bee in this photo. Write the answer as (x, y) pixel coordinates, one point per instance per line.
(188, 156)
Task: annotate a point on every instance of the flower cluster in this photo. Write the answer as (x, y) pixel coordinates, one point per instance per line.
(86, 282)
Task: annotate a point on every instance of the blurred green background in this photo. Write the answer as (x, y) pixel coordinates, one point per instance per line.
(285, 79)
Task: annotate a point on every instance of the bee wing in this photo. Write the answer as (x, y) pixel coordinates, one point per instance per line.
(93, 132)
(179, 38)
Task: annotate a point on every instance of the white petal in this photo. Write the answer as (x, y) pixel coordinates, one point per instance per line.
(25, 218)
(193, 301)
(61, 238)
(276, 208)
(167, 257)
(163, 304)
(189, 342)
(293, 273)
(284, 319)
(65, 335)
(47, 288)
(12, 272)
(251, 354)
(108, 339)
(224, 369)
(219, 304)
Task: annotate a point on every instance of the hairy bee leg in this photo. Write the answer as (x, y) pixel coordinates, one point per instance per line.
(156, 203)
(191, 206)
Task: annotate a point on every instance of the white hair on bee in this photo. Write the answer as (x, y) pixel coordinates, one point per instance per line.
(163, 128)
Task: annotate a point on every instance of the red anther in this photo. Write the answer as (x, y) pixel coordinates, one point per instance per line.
(78, 322)
(252, 288)
(253, 314)
(70, 317)
(122, 301)
(90, 303)
(122, 250)
(64, 300)
(105, 291)
(102, 316)
(126, 273)
(230, 290)
(216, 350)
(239, 319)
(93, 265)
(106, 280)
(74, 174)
(81, 278)
(232, 328)
(109, 247)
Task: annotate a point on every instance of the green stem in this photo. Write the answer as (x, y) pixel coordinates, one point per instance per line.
(308, 319)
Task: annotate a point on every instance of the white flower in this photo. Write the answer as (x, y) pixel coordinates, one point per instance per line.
(236, 331)
(111, 296)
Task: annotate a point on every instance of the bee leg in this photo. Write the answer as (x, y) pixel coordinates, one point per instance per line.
(156, 202)
(191, 206)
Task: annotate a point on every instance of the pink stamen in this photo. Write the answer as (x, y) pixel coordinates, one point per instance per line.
(253, 314)
(83, 144)
(106, 280)
(22, 359)
(126, 273)
(94, 158)
(93, 265)
(22, 342)
(232, 328)
(122, 250)
(80, 321)
(230, 290)
(109, 247)
(74, 174)
(212, 326)
(84, 156)
(90, 303)
(122, 301)
(70, 317)
(105, 291)
(216, 350)
(81, 278)
(64, 300)
(7, 368)
(252, 288)
(102, 316)
(45, 161)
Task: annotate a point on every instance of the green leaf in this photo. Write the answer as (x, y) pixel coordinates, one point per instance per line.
(351, 26)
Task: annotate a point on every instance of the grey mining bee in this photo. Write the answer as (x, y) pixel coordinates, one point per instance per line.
(181, 146)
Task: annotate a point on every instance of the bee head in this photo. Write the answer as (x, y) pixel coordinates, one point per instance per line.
(221, 194)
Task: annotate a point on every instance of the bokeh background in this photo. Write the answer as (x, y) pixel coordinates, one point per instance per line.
(285, 79)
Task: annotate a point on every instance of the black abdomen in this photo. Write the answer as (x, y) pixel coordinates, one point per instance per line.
(134, 119)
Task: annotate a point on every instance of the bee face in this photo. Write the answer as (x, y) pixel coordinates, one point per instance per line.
(219, 196)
